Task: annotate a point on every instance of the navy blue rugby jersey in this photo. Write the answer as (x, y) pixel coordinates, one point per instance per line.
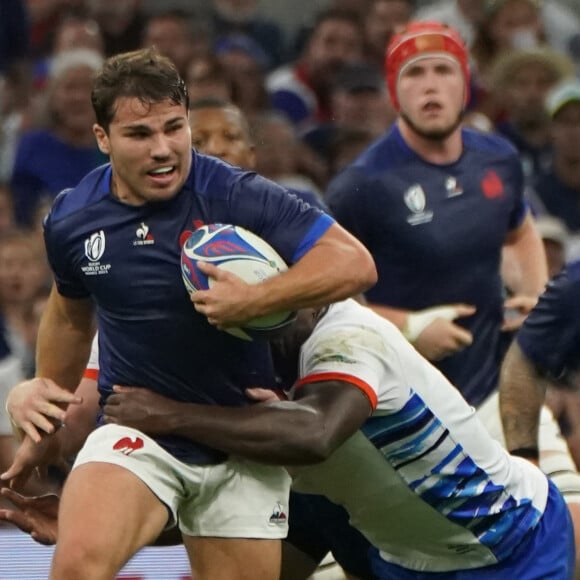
(436, 233)
(127, 259)
(550, 336)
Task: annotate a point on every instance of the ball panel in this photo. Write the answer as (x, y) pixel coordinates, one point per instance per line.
(241, 252)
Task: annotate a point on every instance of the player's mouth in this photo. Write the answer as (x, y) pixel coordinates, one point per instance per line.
(162, 175)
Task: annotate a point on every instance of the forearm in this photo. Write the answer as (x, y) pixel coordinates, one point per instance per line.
(64, 342)
(397, 316)
(337, 267)
(522, 393)
(524, 266)
(279, 433)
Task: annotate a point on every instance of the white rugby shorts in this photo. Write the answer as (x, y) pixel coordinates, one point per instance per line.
(234, 499)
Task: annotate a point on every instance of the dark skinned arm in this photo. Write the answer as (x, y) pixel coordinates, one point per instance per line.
(304, 431)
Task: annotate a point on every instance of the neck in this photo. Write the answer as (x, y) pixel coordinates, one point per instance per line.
(439, 151)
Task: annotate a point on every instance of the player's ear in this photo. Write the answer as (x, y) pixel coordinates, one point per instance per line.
(102, 139)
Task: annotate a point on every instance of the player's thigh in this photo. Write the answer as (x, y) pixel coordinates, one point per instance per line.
(233, 558)
(123, 490)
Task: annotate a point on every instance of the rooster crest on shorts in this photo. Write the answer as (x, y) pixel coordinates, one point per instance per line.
(127, 445)
(278, 516)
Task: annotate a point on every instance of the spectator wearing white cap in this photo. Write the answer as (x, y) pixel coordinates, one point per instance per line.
(559, 188)
(61, 150)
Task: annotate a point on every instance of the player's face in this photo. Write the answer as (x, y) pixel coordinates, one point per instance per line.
(431, 94)
(222, 133)
(150, 149)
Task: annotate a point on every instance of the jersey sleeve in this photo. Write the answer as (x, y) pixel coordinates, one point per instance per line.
(352, 353)
(286, 222)
(551, 333)
(68, 282)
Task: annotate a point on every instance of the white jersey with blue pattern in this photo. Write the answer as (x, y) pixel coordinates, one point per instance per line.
(422, 480)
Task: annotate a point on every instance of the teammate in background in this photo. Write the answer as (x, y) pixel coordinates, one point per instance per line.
(437, 205)
(546, 349)
(431, 490)
(114, 243)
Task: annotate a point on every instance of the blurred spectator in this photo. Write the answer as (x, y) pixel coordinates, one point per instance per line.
(23, 276)
(121, 21)
(359, 101)
(208, 78)
(554, 235)
(60, 153)
(560, 23)
(463, 15)
(345, 147)
(7, 220)
(283, 158)
(14, 33)
(381, 20)
(174, 34)
(44, 18)
(220, 129)
(24, 280)
(302, 90)
(242, 17)
(77, 31)
(15, 114)
(506, 25)
(521, 80)
(73, 31)
(245, 64)
(559, 189)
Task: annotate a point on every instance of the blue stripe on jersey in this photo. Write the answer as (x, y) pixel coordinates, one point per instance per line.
(456, 487)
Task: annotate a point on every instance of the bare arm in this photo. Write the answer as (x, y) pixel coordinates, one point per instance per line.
(336, 267)
(521, 395)
(64, 340)
(524, 268)
(303, 431)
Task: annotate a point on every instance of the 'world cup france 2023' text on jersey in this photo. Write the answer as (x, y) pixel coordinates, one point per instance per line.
(422, 480)
(436, 233)
(550, 336)
(127, 258)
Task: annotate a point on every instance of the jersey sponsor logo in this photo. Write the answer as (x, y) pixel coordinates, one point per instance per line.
(416, 201)
(278, 516)
(492, 185)
(144, 238)
(452, 187)
(126, 445)
(94, 250)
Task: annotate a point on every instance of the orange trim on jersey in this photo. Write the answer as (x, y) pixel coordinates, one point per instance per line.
(359, 383)
(91, 374)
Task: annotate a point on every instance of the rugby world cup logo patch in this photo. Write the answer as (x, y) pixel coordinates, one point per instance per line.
(95, 246)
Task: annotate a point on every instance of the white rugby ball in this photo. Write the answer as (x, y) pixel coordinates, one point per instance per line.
(242, 253)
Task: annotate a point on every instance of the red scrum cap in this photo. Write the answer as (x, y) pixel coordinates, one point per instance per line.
(420, 40)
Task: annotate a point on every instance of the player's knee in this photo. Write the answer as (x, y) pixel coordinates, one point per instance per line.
(80, 560)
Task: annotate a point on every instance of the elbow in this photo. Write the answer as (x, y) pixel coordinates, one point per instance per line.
(367, 275)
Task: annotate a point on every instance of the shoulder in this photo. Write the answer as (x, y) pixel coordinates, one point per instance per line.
(91, 189)
(490, 143)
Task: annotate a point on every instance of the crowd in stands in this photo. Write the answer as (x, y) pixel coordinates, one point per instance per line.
(314, 100)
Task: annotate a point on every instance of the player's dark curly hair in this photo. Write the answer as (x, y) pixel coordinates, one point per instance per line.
(143, 74)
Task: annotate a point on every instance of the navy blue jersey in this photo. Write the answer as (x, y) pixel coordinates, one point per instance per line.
(550, 336)
(436, 233)
(127, 258)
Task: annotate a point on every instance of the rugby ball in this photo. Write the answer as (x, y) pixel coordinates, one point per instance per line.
(241, 252)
